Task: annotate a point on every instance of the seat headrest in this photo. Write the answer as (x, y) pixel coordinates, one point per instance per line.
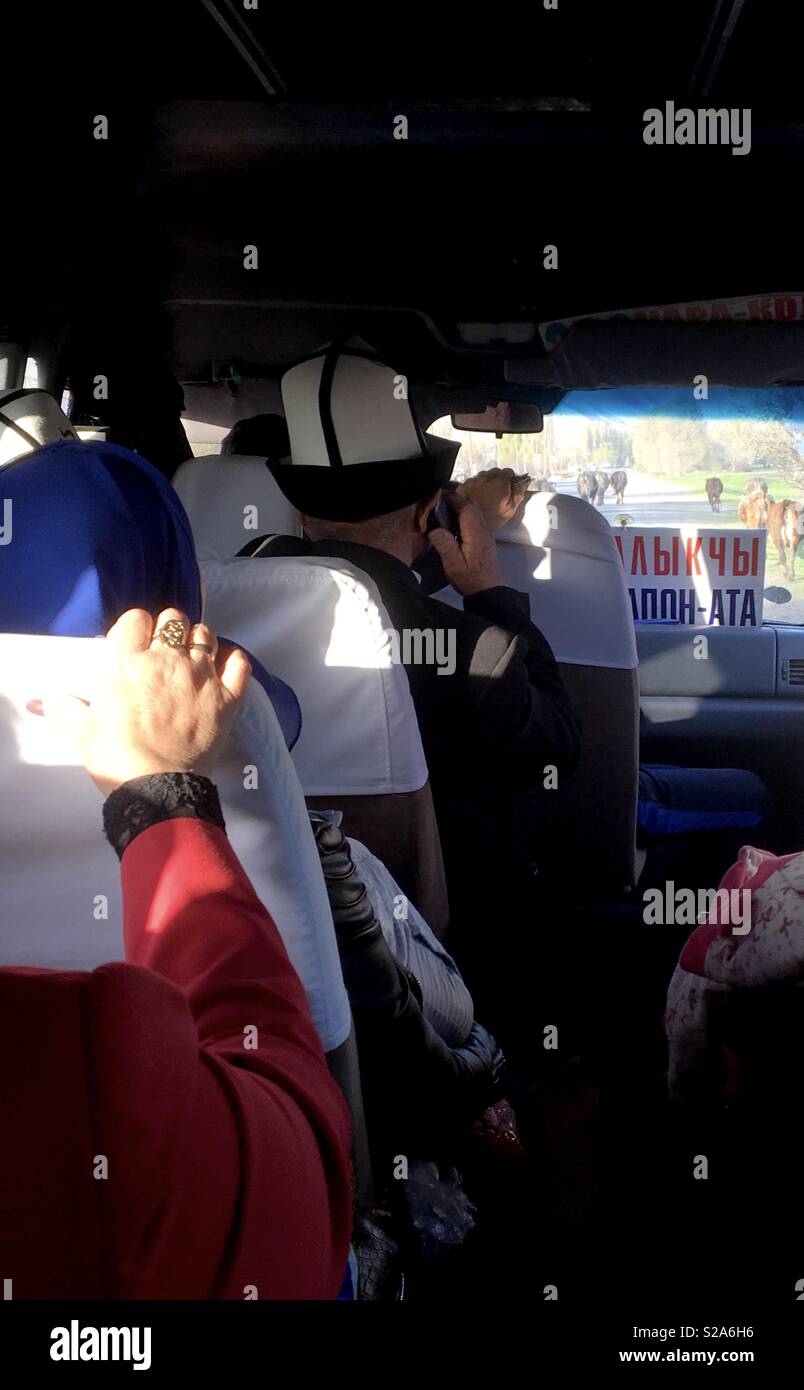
(60, 902)
(29, 418)
(320, 624)
(586, 612)
(229, 500)
(561, 522)
(561, 551)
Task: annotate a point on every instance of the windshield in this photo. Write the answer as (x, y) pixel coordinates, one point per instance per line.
(691, 463)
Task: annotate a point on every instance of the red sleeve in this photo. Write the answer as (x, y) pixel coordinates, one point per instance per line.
(242, 1172)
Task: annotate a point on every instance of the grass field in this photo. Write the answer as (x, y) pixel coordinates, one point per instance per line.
(734, 484)
(733, 489)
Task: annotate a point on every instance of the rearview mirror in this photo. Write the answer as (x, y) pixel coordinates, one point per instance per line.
(506, 417)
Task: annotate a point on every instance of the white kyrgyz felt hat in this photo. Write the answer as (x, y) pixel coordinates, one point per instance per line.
(30, 418)
(356, 449)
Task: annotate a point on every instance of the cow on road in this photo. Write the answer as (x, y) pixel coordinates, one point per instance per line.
(714, 489)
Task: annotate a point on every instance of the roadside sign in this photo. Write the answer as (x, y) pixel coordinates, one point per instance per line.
(698, 576)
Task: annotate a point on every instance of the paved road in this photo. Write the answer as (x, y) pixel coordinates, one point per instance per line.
(651, 502)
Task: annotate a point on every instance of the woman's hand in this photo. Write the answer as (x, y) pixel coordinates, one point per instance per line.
(158, 708)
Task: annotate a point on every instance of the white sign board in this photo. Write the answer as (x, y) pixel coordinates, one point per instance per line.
(699, 576)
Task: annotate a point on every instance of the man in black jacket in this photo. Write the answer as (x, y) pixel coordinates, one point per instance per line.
(494, 716)
(501, 718)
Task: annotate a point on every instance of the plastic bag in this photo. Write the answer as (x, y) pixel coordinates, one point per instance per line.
(440, 1211)
(497, 1131)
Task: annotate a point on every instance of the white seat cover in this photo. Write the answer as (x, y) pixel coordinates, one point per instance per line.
(56, 867)
(562, 553)
(38, 415)
(230, 500)
(320, 625)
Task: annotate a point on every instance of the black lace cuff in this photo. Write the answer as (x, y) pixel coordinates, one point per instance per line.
(145, 801)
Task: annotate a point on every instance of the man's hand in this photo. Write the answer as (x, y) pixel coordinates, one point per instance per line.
(498, 493)
(159, 708)
(470, 563)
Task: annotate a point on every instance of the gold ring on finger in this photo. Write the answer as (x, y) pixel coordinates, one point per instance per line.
(172, 633)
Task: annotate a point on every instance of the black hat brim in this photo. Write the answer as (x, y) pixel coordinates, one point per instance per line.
(360, 491)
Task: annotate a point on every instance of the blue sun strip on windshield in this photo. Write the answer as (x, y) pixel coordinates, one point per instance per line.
(780, 403)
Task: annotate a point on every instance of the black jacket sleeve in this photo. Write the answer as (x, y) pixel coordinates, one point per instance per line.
(524, 708)
(414, 1085)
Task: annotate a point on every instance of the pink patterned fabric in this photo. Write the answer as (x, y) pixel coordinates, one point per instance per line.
(716, 959)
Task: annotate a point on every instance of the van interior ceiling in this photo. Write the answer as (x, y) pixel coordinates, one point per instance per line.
(254, 140)
(582, 217)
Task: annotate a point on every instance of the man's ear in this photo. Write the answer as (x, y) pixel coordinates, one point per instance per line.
(421, 515)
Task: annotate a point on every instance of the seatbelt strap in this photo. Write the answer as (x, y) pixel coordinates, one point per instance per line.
(12, 424)
(255, 547)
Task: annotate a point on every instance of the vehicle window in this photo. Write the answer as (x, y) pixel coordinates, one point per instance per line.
(525, 453)
(669, 446)
(204, 438)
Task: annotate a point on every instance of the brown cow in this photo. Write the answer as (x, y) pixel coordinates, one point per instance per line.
(783, 521)
(586, 484)
(602, 480)
(755, 485)
(714, 488)
(619, 478)
(752, 509)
